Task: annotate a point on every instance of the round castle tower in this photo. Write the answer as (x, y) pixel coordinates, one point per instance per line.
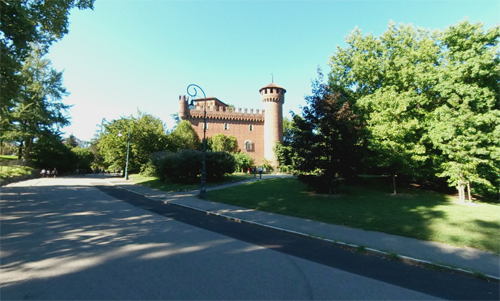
(183, 107)
(273, 98)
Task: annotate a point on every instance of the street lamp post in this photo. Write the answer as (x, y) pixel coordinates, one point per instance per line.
(128, 152)
(194, 88)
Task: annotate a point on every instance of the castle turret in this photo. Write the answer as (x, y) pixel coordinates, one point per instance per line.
(273, 98)
(183, 107)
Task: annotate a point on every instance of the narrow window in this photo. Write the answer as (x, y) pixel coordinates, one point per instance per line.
(226, 126)
(248, 145)
(251, 127)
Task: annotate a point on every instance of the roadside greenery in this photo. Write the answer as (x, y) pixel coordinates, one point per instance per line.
(429, 105)
(415, 213)
(9, 167)
(168, 186)
(185, 165)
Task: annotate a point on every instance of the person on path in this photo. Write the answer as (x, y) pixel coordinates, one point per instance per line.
(255, 172)
(42, 172)
(260, 172)
(54, 172)
(48, 172)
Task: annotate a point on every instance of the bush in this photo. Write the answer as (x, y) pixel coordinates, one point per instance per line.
(148, 170)
(218, 164)
(320, 183)
(243, 161)
(185, 165)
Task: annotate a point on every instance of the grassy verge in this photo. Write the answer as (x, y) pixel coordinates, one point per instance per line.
(412, 212)
(168, 186)
(7, 171)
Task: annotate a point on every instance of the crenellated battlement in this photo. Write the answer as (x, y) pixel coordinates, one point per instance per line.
(216, 109)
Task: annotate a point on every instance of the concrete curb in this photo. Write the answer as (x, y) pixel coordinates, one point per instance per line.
(351, 247)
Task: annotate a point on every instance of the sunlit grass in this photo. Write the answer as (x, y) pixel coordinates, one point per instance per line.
(412, 212)
(7, 171)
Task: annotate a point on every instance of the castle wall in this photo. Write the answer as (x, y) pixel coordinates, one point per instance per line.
(238, 128)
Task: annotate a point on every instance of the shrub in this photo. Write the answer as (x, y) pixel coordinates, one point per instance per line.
(320, 183)
(184, 166)
(218, 164)
(243, 161)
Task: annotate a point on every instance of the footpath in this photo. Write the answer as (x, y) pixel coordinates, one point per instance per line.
(438, 255)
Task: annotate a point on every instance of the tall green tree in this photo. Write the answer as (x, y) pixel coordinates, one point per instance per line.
(39, 110)
(71, 141)
(328, 135)
(147, 135)
(24, 22)
(429, 99)
(390, 80)
(465, 125)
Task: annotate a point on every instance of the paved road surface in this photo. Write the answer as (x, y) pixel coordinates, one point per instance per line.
(70, 238)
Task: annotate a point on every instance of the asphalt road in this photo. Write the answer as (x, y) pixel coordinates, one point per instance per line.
(79, 239)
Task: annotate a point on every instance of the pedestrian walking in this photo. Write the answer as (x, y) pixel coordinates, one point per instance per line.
(47, 173)
(42, 172)
(260, 172)
(54, 172)
(255, 172)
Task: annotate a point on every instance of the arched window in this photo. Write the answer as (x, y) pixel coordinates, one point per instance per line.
(248, 145)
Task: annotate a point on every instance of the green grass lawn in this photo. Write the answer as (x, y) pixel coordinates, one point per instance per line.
(412, 212)
(7, 171)
(168, 186)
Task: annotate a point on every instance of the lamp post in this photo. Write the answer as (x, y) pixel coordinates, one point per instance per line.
(194, 89)
(128, 151)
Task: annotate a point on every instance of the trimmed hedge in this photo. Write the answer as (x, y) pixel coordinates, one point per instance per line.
(184, 166)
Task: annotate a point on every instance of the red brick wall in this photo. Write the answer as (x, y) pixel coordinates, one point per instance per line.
(238, 128)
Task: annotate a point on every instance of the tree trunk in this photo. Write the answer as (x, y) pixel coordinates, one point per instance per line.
(20, 150)
(27, 150)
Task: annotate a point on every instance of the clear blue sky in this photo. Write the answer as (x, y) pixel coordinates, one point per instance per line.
(130, 55)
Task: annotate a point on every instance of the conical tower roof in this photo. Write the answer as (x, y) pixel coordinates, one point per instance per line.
(272, 85)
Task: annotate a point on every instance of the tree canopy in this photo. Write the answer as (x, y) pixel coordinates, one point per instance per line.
(38, 108)
(328, 135)
(430, 100)
(26, 23)
(147, 135)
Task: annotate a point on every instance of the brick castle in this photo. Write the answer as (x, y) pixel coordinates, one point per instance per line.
(257, 131)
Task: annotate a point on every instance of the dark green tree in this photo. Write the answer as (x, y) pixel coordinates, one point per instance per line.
(49, 152)
(38, 110)
(328, 136)
(71, 141)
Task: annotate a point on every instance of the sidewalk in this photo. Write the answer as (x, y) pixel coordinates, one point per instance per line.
(409, 249)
